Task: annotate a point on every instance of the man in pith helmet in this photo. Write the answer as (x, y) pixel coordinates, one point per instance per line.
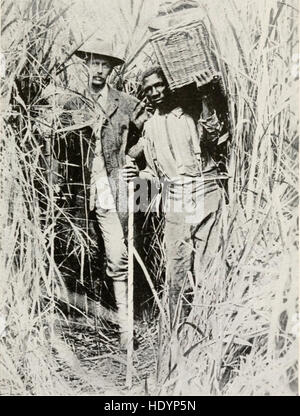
(105, 125)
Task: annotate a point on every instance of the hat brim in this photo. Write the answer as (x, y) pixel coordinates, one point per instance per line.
(113, 59)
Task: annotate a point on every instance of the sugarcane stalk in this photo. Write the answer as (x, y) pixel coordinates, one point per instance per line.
(129, 371)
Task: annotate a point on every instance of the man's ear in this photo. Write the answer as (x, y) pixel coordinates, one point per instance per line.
(85, 64)
(87, 59)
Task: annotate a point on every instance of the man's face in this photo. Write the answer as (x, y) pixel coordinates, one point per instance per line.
(99, 69)
(155, 89)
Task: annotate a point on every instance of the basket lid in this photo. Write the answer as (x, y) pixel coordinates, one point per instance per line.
(173, 13)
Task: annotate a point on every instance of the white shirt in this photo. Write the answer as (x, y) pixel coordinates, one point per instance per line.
(100, 192)
(172, 144)
(175, 142)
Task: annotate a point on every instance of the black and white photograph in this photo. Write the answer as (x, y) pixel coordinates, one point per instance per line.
(149, 204)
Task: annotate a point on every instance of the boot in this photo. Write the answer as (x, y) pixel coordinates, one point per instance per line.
(120, 291)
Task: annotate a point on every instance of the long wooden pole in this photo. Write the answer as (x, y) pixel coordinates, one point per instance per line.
(130, 284)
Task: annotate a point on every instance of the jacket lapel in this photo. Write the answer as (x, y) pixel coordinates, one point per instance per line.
(112, 101)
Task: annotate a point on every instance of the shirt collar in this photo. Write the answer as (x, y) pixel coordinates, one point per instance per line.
(103, 94)
(178, 112)
(102, 98)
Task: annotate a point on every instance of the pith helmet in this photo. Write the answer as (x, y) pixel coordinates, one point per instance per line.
(97, 46)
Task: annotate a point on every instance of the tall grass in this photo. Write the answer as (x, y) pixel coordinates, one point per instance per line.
(26, 238)
(241, 338)
(34, 47)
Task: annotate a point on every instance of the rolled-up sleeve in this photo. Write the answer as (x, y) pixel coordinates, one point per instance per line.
(211, 125)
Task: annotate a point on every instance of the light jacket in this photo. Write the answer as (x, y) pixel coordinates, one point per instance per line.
(75, 147)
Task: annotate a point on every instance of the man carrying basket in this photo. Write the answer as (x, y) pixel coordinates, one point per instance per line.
(181, 144)
(172, 147)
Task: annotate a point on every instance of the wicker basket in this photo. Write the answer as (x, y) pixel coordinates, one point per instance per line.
(185, 55)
